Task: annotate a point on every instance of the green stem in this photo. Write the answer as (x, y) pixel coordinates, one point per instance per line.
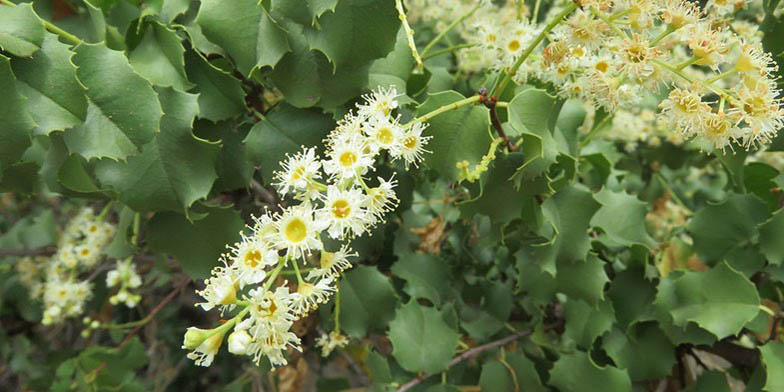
(598, 128)
(688, 78)
(300, 281)
(409, 33)
(136, 224)
(721, 76)
(105, 210)
(442, 109)
(672, 193)
(448, 28)
(535, 16)
(610, 23)
(337, 307)
(661, 36)
(687, 63)
(292, 272)
(448, 50)
(51, 27)
(620, 14)
(508, 75)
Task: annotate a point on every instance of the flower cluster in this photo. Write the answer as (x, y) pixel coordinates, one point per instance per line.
(336, 199)
(55, 280)
(125, 276)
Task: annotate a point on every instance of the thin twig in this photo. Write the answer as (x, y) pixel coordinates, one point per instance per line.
(155, 310)
(467, 354)
(45, 251)
(490, 103)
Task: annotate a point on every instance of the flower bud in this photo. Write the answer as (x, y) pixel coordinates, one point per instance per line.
(194, 337)
(239, 340)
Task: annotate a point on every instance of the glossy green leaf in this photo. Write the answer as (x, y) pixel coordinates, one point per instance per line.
(647, 355)
(585, 323)
(721, 300)
(718, 228)
(496, 376)
(21, 31)
(572, 372)
(245, 31)
(123, 113)
(48, 80)
(427, 277)
(17, 124)
(220, 95)
(458, 135)
(421, 340)
(622, 218)
(165, 176)
(771, 234)
(303, 12)
(367, 301)
(773, 359)
(158, 57)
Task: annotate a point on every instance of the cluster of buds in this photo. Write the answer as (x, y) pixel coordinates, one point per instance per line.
(54, 280)
(125, 276)
(336, 199)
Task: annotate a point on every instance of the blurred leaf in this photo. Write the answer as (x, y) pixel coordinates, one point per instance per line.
(367, 301)
(421, 339)
(572, 372)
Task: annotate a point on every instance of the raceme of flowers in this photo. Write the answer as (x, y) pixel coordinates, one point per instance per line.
(338, 199)
(56, 280)
(722, 85)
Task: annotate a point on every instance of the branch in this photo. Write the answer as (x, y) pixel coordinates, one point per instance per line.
(468, 354)
(155, 311)
(45, 251)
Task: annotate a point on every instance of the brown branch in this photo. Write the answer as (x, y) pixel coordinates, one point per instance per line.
(45, 251)
(467, 354)
(155, 310)
(490, 103)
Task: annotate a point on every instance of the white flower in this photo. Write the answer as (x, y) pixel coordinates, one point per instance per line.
(685, 110)
(269, 325)
(298, 171)
(297, 232)
(309, 296)
(204, 353)
(379, 103)
(348, 159)
(239, 341)
(329, 342)
(381, 199)
(412, 144)
(384, 133)
(250, 256)
(332, 263)
(221, 289)
(343, 212)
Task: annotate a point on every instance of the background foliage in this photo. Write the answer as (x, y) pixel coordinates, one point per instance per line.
(181, 111)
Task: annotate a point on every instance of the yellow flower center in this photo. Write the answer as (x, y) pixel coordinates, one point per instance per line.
(85, 252)
(410, 142)
(602, 66)
(296, 230)
(384, 136)
(347, 159)
(514, 45)
(252, 258)
(341, 209)
(298, 173)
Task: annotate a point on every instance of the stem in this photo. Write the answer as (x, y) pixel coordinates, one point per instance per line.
(598, 128)
(51, 27)
(104, 211)
(154, 311)
(687, 63)
(721, 76)
(612, 25)
(337, 307)
(661, 36)
(135, 235)
(448, 28)
(292, 272)
(409, 33)
(672, 193)
(448, 50)
(300, 281)
(688, 78)
(512, 71)
(442, 109)
(462, 357)
(535, 16)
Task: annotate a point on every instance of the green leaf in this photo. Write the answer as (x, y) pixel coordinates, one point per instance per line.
(367, 301)
(585, 323)
(622, 218)
(498, 378)
(357, 32)
(120, 246)
(458, 135)
(220, 95)
(172, 171)
(303, 12)
(245, 31)
(534, 114)
(647, 355)
(158, 57)
(74, 176)
(196, 245)
(770, 238)
(306, 78)
(378, 368)
(167, 10)
(489, 313)
(16, 124)
(421, 340)
(124, 112)
(721, 300)
(631, 296)
(497, 190)
(21, 31)
(48, 80)
(285, 131)
(583, 280)
(718, 228)
(773, 359)
(394, 69)
(426, 276)
(573, 372)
